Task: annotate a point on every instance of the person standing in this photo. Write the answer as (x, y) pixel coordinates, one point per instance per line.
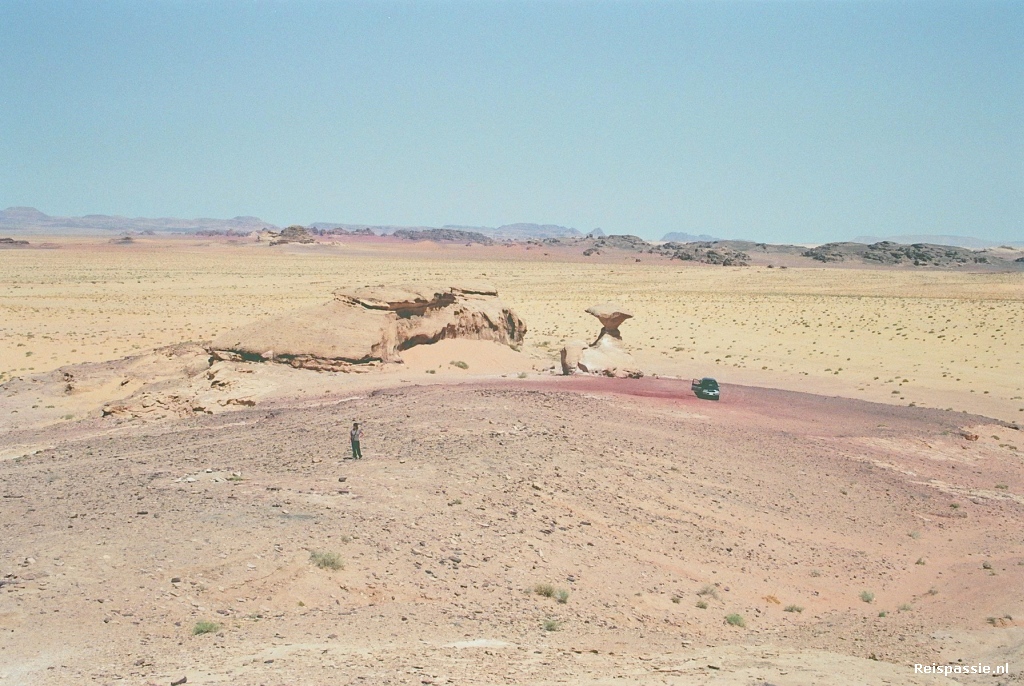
(354, 435)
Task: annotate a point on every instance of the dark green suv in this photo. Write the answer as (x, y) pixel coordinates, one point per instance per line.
(706, 388)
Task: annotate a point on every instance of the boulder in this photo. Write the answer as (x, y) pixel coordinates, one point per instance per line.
(371, 326)
(607, 357)
(571, 354)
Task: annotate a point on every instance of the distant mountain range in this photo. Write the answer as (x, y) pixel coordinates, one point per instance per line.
(958, 241)
(31, 220)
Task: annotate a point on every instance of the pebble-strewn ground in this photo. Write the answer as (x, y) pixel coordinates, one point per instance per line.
(890, 534)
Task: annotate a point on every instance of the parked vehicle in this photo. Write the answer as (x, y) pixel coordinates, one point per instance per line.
(706, 388)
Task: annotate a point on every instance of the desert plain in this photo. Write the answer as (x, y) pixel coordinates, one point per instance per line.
(853, 505)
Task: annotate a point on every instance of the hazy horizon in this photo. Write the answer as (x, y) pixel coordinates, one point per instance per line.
(778, 122)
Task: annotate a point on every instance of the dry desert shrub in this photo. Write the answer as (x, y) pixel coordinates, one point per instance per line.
(708, 590)
(546, 590)
(325, 560)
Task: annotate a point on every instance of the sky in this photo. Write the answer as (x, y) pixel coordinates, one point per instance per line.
(773, 121)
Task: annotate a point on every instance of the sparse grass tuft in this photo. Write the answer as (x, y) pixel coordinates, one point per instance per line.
(205, 627)
(702, 604)
(815, 573)
(933, 591)
(867, 596)
(920, 561)
(552, 625)
(325, 560)
(882, 613)
(905, 607)
(915, 535)
(735, 620)
(459, 363)
(546, 590)
(562, 596)
(708, 590)
(523, 375)
(793, 608)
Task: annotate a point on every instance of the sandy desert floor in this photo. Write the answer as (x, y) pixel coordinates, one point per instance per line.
(933, 338)
(850, 534)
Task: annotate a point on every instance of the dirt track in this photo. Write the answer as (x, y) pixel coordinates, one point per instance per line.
(633, 496)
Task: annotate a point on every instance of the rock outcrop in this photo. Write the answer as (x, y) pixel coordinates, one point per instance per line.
(889, 253)
(606, 356)
(293, 234)
(367, 327)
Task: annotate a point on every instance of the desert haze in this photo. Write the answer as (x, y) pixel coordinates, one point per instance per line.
(178, 505)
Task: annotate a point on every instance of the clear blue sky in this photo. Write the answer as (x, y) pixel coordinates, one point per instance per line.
(780, 121)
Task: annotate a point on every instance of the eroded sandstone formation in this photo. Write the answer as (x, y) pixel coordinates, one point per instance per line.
(360, 329)
(606, 355)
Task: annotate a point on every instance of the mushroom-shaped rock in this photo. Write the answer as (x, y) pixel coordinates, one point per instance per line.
(606, 355)
(611, 316)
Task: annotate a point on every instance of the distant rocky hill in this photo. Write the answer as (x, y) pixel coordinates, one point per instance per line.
(743, 253)
(706, 252)
(888, 252)
(677, 237)
(523, 231)
(444, 236)
(31, 220)
(956, 241)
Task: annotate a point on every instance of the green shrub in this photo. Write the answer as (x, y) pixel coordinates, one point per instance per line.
(867, 596)
(562, 596)
(735, 620)
(793, 608)
(459, 363)
(552, 625)
(205, 627)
